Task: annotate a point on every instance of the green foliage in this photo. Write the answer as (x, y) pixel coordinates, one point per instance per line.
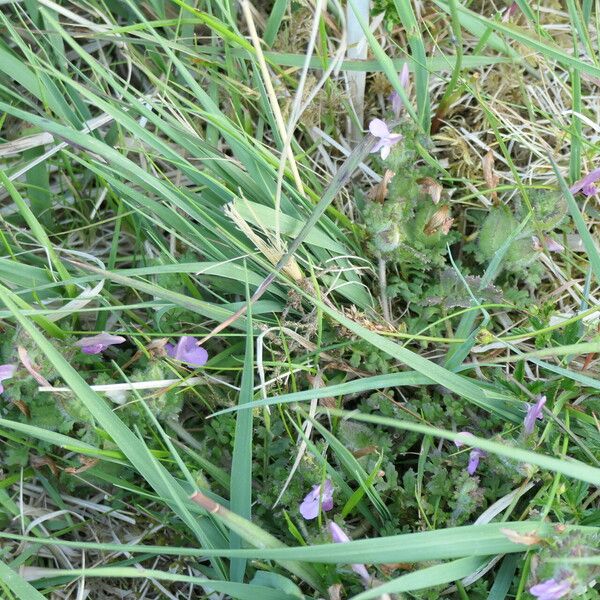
(182, 195)
(408, 228)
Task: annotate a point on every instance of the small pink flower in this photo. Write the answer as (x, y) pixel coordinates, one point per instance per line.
(98, 343)
(586, 184)
(187, 351)
(386, 141)
(551, 589)
(395, 98)
(320, 495)
(534, 412)
(338, 535)
(6, 372)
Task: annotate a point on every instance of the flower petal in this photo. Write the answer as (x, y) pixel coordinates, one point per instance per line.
(379, 128)
(385, 151)
(474, 457)
(93, 349)
(396, 101)
(405, 76)
(97, 343)
(459, 443)
(188, 351)
(589, 189)
(338, 535)
(378, 146)
(551, 589)
(534, 412)
(553, 245)
(326, 504)
(585, 182)
(309, 508)
(6, 372)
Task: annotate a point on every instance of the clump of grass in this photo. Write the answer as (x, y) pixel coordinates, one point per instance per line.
(397, 392)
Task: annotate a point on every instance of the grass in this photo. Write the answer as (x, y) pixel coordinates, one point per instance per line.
(177, 168)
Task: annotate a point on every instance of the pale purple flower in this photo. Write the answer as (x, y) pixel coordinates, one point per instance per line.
(320, 495)
(586, 184)
(98, 343)
(395, 98)
(187, 350)
(379, 129)
(534, 411)
(6, 372)
(339, 536)
(474, 456)
(551, 589)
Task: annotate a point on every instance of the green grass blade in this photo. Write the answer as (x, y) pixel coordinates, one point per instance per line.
(257, 537)
(17, 585)
(504, 578)
(241, 465)
(377, 382)
(425, 578)
(443, 544)
(274, 21)
(464, 387)
(354, 470)
(419, 57)
(36, 229)
(241, 591)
